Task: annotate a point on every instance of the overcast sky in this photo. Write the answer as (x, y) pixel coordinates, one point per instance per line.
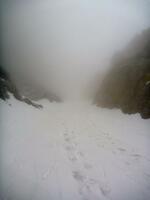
(63, 43)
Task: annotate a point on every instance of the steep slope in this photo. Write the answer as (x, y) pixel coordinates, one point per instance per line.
(7, 86)
(31, 93)
(72, 151)
(127, 84)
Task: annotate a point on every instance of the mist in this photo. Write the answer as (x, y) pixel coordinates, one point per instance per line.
(68, 129)
(62, 45)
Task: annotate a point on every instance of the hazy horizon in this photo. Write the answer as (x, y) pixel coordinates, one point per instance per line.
(63, 45)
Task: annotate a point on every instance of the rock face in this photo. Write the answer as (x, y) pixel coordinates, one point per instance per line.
(127, 84)
(6, 87)
(35, 93)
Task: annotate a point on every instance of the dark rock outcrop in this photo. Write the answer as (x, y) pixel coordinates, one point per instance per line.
(127, 84)
(34, 91)
(6, 87)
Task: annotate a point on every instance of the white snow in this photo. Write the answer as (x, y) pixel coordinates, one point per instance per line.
(72, 151)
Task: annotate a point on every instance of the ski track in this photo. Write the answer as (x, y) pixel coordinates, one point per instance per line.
(65, 152)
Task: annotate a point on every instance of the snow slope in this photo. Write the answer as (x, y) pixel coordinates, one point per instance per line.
(72, 151)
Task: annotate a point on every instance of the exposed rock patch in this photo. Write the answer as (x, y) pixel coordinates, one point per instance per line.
(7, 86)
(127, 84)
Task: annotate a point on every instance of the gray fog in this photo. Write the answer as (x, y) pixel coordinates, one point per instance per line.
(62, 45)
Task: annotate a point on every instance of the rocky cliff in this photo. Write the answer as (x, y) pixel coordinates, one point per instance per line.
(127, 84)
(7, 86)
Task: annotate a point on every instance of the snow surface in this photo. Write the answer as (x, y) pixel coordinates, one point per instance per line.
(72, 151)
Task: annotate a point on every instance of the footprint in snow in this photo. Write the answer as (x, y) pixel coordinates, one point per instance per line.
(122, 149)
(88, 184)
(69, 148)
(78, 176)
(105, 190)
(67, 139)
(65, 134)
(136, 155)
(87, 166)
(73, 158)
(81, 154)
(103, 187)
